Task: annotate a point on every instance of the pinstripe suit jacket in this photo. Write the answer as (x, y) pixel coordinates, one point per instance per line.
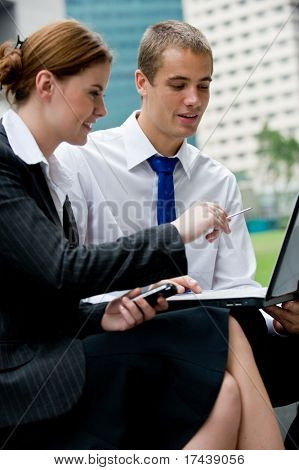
(42, 367)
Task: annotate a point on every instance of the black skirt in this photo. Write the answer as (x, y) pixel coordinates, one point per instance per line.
(151, 387)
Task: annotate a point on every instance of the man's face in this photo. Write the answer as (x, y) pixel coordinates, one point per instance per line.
(174, 103)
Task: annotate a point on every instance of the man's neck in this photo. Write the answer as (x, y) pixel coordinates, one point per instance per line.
(162, 143)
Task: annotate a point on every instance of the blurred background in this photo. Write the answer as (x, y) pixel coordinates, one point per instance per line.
(252, 122)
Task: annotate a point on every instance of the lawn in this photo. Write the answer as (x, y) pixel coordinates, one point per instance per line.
(266, 246)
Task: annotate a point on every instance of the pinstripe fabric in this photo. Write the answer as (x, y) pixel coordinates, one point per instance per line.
(42, 366)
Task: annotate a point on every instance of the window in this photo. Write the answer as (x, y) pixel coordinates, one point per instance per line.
(237, 122)
(278, 8)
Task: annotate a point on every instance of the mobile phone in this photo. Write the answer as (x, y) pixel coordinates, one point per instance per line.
(151, 296)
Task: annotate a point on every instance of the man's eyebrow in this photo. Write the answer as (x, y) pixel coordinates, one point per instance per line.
(181, 77)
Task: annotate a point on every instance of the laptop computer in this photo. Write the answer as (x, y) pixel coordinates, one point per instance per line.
(283, 286)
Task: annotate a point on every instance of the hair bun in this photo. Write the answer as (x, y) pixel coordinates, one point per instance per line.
(10, 64)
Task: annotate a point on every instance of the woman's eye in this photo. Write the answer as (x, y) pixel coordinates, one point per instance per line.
(94, 94)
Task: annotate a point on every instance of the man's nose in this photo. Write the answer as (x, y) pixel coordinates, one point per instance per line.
(192, 97)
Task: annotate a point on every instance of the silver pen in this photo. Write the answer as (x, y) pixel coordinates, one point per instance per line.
(240, 212)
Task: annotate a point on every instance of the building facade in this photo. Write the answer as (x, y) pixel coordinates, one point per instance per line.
(22, 17)
(256, 76)
(122, 23)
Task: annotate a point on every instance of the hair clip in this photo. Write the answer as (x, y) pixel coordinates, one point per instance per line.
(19, 43)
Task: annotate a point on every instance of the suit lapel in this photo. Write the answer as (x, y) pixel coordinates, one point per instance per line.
(37, 184)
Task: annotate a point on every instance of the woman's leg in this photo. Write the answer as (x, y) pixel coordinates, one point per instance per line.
(258, 428)
(242, 416)
(220, 431)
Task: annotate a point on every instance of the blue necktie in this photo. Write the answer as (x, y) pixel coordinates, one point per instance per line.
(164, 167)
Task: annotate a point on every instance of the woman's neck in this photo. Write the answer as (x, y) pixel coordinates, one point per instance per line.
(36, 123)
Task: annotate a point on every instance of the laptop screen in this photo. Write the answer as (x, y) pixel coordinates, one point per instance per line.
(284, 284)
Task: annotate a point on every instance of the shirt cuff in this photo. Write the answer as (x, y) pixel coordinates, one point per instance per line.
(270, 325)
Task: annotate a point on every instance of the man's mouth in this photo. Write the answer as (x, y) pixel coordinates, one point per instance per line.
(188, 118)
(188, 115)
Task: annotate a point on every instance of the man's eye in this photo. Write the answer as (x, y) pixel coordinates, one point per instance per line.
(204, 86)
(177, 87)
(94, 93)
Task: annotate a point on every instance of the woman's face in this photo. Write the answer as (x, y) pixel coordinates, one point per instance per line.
(78, 103)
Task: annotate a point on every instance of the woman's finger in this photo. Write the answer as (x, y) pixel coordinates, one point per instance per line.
(148, 312)
(131, 322)
(161, 305)
(135, 312)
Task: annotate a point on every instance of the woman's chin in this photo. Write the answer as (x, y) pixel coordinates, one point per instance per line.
(78, 140)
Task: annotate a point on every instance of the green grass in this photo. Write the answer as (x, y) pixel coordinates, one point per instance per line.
(266, 246)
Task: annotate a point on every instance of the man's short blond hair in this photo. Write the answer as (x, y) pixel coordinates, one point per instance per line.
(170, 33)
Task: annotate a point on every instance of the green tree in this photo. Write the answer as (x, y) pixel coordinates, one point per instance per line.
(280, 153)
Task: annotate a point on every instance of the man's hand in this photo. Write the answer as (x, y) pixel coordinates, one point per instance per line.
(287, 316)
(182, 283)
(123, 314)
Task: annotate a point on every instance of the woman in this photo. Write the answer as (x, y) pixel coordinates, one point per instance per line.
(101, 376)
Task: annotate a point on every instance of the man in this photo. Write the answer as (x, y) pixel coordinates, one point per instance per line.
(117, 174)
(277, 362)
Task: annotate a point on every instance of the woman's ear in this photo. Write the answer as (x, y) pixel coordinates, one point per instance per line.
(44, 84)
(141, 83)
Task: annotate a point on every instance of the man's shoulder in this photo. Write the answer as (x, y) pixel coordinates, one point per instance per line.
(202, 159)
(105, 135)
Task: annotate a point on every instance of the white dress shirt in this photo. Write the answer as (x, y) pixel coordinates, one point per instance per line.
(111, 169)
(25, 147)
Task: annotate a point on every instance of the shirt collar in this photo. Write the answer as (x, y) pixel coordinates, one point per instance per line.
(139, 148)
(25, 147)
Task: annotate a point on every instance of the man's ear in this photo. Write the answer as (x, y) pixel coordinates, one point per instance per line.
(141, 82)
(44, 84)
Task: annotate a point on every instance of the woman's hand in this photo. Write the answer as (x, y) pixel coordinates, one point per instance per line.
(199, 219)
(123, 314)
(182, 284)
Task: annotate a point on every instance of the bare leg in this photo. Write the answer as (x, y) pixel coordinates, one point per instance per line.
(259, 428)
(242, 416)
(220, 431)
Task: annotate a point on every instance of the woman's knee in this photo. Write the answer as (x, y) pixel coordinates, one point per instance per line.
(230, 397)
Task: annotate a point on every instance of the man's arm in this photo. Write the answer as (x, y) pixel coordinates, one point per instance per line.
(235, 263)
